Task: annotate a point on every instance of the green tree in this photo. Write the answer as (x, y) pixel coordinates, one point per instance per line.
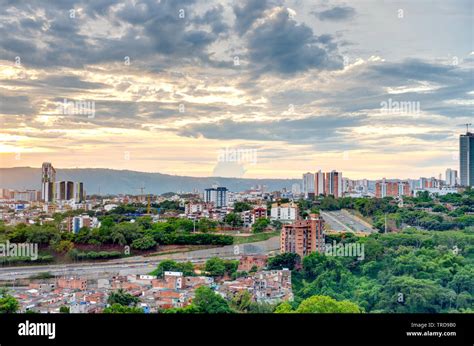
(277, 224)
(242, 301)
(260, 225)
(284, 308)
(329, 203)
(440, 208)
(145, 243)
(215, 266)
(122, 309)
(405, 294)
(8, 303)
(286, 260)
(325, 304)
(463, 280)
(187, 268)
(145, 222)
(62, 246)
(209, 302)
(242, 206)
(123, 298)
(206, 225)
(184, 225)
(233, 219)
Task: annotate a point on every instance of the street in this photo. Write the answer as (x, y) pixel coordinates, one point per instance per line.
(341, 220)
(139, 264)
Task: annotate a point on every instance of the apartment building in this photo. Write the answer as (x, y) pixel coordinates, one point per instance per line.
(392, 188)
(303, 236)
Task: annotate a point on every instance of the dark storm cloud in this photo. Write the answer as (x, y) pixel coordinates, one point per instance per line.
(154, 28)
(363, 92)
(215, 19)
(282, 45)
(15, 104)
(295, 131)
(338, 13)
(248, 13)
(448, 83)
(412, 69)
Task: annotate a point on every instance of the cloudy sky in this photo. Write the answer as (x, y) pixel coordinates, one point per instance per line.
(371, 88)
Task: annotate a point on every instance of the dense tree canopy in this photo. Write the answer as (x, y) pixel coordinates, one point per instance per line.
(410, 271)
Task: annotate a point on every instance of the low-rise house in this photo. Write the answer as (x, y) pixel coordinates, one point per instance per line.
(170, 280)
(197, 281)
(72, 283)
(247, 262)
(270, 286)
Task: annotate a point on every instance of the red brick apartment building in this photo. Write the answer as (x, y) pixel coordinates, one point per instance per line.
(329, 183)
(72, 283)
(303, 236)
(392, 188)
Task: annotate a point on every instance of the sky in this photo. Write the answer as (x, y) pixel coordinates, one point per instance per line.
(254, 89)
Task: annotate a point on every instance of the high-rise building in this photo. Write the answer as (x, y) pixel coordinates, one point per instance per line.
(428, 183)
(303, 236)
(64, 190)
(451, 177)
(392, 188)
(333, 184)
(319, 183)
(79, 194)
(48, 177)
(216, 195)
(308, 183)
(466, 159)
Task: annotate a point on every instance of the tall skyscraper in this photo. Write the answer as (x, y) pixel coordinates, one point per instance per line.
(319, 183)
(308, 183)
(466, 159)
(451, 177)
(64, 190)
(333, 184)
(79, 194)
(48, 177)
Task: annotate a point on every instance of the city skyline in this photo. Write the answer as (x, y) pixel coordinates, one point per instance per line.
(295, 86)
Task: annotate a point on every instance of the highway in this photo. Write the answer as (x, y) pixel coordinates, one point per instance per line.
(341, 220)
(139, 264)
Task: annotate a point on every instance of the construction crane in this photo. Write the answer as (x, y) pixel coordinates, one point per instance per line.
(145, 197)
(142, 195)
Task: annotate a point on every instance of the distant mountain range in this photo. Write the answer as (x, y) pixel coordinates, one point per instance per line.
(111, 181)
